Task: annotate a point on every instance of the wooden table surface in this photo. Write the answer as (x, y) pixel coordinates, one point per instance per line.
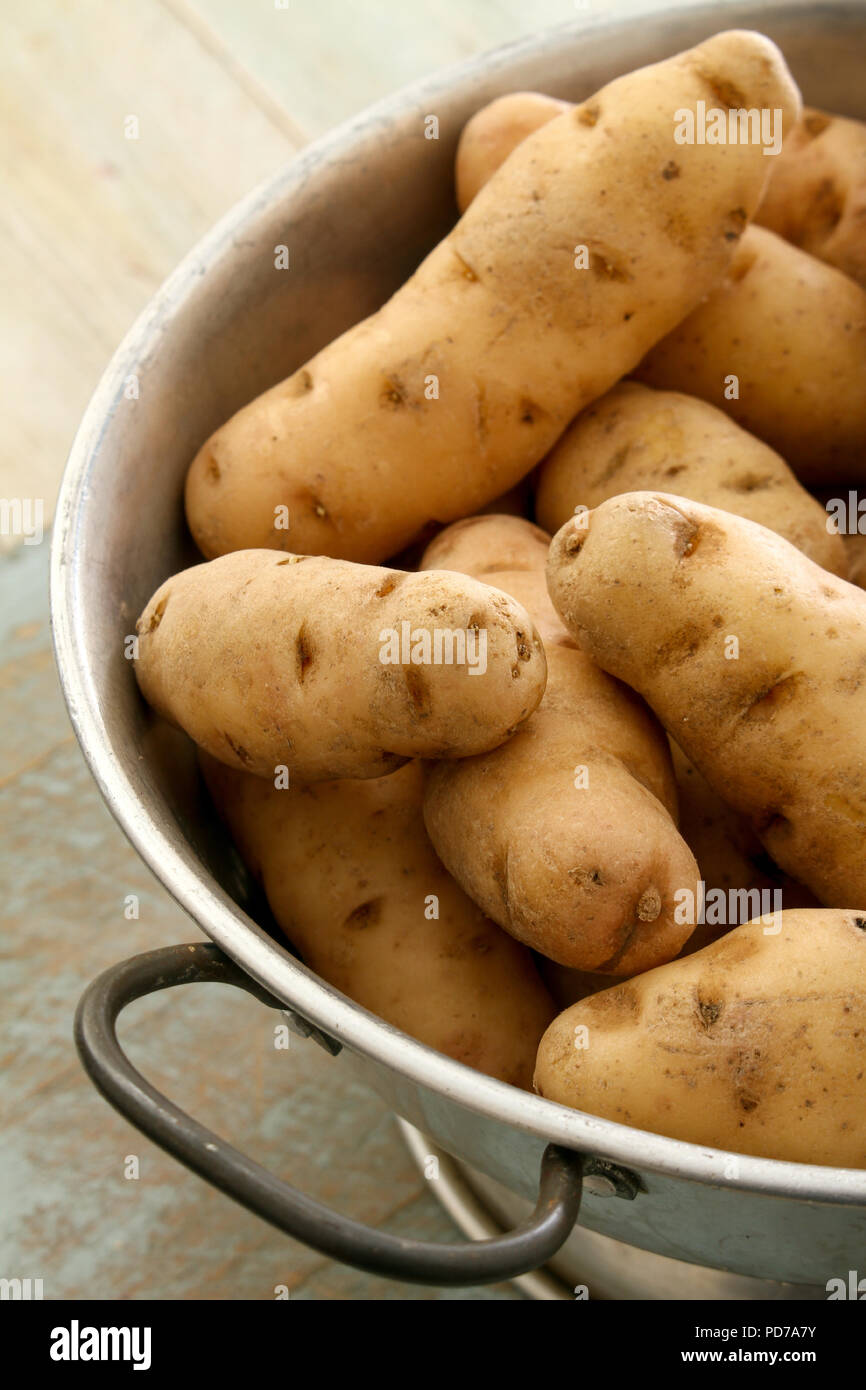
(126, 131)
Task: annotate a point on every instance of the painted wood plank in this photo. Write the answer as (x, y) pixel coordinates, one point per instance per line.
(92, 221)
(326, 61)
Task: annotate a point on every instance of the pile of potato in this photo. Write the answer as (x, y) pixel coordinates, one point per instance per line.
(491, 787)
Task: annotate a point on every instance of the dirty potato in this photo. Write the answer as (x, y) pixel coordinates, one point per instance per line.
(353, 881)
(635, 439)
(566, 835)
(816, 196)
(331, 669)
(752, 656)
(754, 1045)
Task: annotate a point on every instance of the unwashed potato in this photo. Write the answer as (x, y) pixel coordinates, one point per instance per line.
(752, 656)
(460, 384)
(351, 878)
(270, 660)
(740, 878)
(489, 137)
(635, 439)
(754, 1045)
(483, 545)
(565, 836)
(816, 197)
(792, 331)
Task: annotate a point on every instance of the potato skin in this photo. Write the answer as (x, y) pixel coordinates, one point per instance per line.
(482, 545)
(269, 660)
(517, 339)
(488, 137)
(793, 331)
(729, 854)
(801, 374)
(754, 1045)
(816, 196)
(654, 587)
(635, 439)
(586, 875)
(348, 872)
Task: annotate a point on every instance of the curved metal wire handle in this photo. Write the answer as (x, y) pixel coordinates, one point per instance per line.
(529, 1245)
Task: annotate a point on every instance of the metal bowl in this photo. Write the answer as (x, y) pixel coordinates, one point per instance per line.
(358, 210)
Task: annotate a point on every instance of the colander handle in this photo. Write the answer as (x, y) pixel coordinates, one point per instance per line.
(421, 1262)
